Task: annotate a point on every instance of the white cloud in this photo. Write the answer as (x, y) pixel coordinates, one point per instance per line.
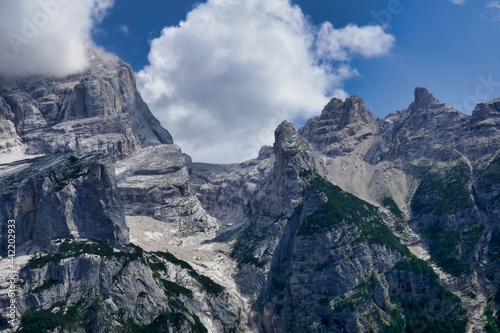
(223, 79)
(493, 4)
(340, 44)
(458, 2)
(48, 37)
(494, 7)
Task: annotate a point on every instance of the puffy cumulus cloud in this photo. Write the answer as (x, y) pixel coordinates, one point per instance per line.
(223, 79)
(50, 37)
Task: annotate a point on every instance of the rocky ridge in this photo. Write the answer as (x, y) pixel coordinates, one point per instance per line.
(155, 182)
(421, 166)
(79, 272)
(350, 224)
(98, 109)
(300, 266)
(60, 196)
(341, 127)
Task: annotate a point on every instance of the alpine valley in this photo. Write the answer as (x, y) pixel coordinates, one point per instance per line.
(349, 224)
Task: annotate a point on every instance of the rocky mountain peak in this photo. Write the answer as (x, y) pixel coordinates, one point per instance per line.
(348, 112)
(83, 113)
(286, 135)
(341, 126)
(313, 235)
(484, 111)
(291, 149)
(424, 100)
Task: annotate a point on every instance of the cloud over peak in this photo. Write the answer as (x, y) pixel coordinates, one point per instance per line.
(224, 78)
(49, 37)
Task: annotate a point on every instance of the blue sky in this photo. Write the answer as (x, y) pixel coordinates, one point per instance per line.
(445, 47)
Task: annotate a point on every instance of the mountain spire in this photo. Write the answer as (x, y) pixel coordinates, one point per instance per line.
(424, 100)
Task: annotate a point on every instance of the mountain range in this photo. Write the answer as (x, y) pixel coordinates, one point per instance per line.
(351, 223)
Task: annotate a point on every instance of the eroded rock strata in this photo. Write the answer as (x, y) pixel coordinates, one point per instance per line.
(350, 224)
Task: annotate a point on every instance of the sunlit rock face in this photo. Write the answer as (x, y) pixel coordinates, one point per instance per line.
(93, 111)
(349, 224)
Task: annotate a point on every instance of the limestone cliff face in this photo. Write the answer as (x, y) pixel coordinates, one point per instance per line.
(62, 196)
(60, 141)
(98, 109)
(10, 140)
(350, 224)
(438, 168)
(256, 198)
(268, 185)
(425, 130)
(83, 286)
(338, 268)
(77, 270)
(327, 263)
(155, 182)
(430, 170)
(341, 126)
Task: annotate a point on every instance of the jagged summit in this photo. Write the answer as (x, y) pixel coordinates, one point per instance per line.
(428, 126)
(286, 135)
(424, 100)
(291, 149)
(341, 126)
(300, 239)
(483, 111)
(97, 109)
(350, 111)
(287, 139)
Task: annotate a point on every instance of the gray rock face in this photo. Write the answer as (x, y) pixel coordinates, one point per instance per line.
(309, 266)
(98, 109)
(98, 283)
(446, 163)
(425, 130)
(155, 182)
(292, 151)
(424, 100)
(293, 156)
(341, 126)
(483, 131)
(425, 166)
(62, 196)
(305, 254)
(231, 192)
(430, 130)
(88, 286)
(10, 142)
